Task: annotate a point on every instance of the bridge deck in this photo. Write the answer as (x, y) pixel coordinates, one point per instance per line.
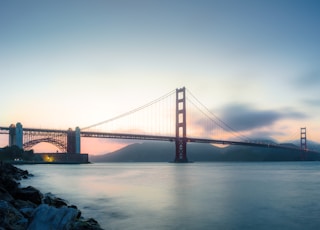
(191, 140)
(4, 130)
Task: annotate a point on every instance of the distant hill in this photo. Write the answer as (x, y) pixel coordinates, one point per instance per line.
(312, 145)
(164, 152)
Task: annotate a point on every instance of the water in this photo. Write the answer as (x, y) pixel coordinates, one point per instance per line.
(188, 196)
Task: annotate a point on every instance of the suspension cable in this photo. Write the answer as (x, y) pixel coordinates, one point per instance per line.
(233, 131)
(131, 111)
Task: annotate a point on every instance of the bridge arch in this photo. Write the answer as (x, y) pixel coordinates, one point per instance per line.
(59, 144)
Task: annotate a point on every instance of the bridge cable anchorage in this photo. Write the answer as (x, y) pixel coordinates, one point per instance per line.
(213, 118)
(131, 111)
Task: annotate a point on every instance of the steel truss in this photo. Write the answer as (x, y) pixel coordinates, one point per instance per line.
(58, 138)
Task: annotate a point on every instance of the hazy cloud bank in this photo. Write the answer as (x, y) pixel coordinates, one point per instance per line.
(242, 117)
(312, 102)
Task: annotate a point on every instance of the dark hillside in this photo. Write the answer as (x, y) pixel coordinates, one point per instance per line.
(164, 152)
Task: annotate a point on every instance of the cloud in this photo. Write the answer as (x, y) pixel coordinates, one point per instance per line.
(243, 117)
(310, 80)
(312, 102)
(309, 83)
(265, 135)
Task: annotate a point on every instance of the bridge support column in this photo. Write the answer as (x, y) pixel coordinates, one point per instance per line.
(73, 141)
(16, 135)
(181, 127)
(78, 140)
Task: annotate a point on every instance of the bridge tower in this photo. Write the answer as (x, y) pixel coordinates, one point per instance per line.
(16, 135)
(303, 139)
(303, 142)
(73, 140)
(181, 126)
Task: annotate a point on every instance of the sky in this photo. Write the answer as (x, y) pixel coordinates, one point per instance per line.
(253, 63)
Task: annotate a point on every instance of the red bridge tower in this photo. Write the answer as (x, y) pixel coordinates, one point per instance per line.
(181, 126)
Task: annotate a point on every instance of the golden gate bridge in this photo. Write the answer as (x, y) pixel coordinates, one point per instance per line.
(163, 119)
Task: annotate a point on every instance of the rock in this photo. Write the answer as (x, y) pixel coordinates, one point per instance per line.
(90, 224)
(10, 217)
(8, 183)
(16, 173)
(25, 207)
(52, 200)
(5, 195)
(29, 193)
(27, 212)
(46, 217)
(18, 204)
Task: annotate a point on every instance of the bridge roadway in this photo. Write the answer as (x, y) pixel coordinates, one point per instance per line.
(90, 134)
(188, 139)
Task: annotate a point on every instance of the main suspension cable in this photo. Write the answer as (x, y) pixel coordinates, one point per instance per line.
(131, 111)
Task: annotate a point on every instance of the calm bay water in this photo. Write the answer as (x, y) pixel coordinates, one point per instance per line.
(188, 196)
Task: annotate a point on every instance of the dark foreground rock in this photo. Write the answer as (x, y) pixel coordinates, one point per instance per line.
(28, 208)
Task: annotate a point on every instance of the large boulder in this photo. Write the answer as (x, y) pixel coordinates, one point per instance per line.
(29, 193)
(46, 217)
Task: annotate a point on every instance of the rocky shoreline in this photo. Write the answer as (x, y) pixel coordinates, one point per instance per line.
(28, 208)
